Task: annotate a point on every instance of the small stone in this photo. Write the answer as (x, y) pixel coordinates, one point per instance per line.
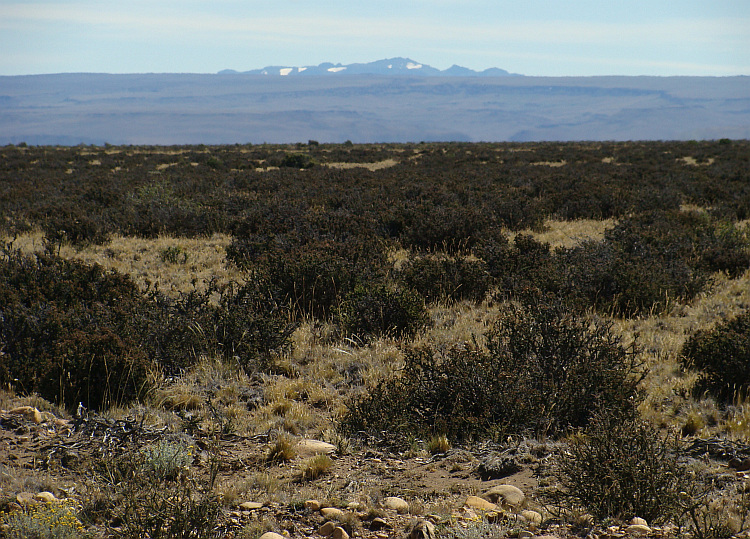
(498, 466)
(327, 529)
(312, 505)
(422, 529)
(506, 495)
(533, 518)
(480, 504)
(310, 448)
(525, 534)
(378, 524)
(396, 504)
(339, 533)
(26, 499)
(250, 506)
(332, 513)
(639, 529)
(639, 521)
(272, 535)
(46, 497)
(29, 412)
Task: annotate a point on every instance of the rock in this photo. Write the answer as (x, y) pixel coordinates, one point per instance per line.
(378, 524)
(480, 504)
(250, 506)
(532, 517)
(639, 529)
(272, 535)
(46, 497)
(639, 521)
(327, 529)
(312, 505)
(26, 499)
(29, 412)
(310, 448)
(339, 533)
(506, 495)
(332, 513)
(497, 466)
(396, 504)
(525, 534)
(422, 529)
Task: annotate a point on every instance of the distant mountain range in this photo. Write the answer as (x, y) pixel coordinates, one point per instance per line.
(396, 100)
(390, 66)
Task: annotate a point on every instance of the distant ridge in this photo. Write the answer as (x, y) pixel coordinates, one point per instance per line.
(389, 66)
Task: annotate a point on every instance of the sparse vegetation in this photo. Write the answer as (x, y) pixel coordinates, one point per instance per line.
(176, 319)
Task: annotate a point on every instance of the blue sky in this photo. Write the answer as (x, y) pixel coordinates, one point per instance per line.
(533, 37)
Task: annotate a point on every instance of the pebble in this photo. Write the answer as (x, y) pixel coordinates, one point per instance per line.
(25, 499)
(532, 517)
(475, 502)
(396, 504)
(638, 528)
(339, 533)
(46, 497)
(639, 521)
(312, 505)
(249, 506)
(272, 535)
(310, 448)
(327, 529)
(333, 513)
(506, 495)
(422, 529)
(378, 524)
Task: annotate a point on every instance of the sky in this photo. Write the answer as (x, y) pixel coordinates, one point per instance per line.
(531, 37)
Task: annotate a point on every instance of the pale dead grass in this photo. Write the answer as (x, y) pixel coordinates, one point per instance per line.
(143, 259)
(552, 164)
(691, 161)
(668, 387)
(568, 234)
(379, 165)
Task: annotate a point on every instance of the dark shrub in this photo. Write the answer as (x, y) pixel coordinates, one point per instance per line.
(648, 261)
(77, 333)
(621, 468)
(439, 278)
(722, 354)
(376, 311)
(64, 331)
(524, 264)
(544, 370)
(78, 230)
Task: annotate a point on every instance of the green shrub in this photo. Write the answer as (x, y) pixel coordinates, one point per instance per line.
(43, 521)
(543, 370)
(157, 503)
(621, 468)
(722, 355)
(377, 310)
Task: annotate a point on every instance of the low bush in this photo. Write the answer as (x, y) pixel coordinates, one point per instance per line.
(178, 504)
(63, 331)
(77, 333)
(377, 311)
(542, 370)
(648, 261)
(441, 278)
(621, 468)
(722, 355)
